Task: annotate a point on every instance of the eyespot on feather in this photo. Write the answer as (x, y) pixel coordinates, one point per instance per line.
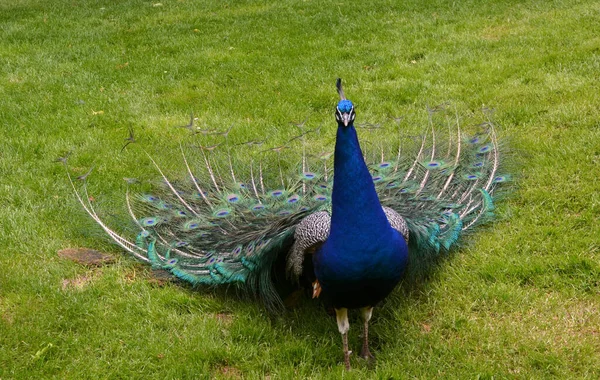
(222, 212)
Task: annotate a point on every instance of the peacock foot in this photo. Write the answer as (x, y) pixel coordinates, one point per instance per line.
(366, 354)
(316, 289)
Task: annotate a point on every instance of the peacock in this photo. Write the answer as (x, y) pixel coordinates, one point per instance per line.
(348, 225)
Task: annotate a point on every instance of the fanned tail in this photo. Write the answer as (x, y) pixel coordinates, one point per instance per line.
(228, 219)
(232, 215)
(444, 183)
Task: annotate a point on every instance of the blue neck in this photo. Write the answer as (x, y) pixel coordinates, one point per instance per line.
(363, 258)
(356, 217)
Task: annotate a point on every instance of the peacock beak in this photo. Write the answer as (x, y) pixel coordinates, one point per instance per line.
(346, 118)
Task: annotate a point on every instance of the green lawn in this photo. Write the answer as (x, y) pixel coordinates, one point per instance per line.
(521, 301)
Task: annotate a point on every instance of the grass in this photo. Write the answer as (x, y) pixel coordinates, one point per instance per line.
(521, 301)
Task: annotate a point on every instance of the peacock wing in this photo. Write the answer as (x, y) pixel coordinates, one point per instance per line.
(310, 233)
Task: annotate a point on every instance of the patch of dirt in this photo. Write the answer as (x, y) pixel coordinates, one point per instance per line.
(230, 372)
(77, 283)
(224, 318)
(86, 256)
(8, 318)
(5, 313)
(161, 277)
(495, 33)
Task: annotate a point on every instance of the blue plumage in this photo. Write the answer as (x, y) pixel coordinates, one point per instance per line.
(353, 228)
(363, 258)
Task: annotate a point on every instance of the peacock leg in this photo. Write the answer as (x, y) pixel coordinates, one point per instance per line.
(341, 316)
(366, 314)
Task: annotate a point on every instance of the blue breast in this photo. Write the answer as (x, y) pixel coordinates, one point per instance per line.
(364, 258)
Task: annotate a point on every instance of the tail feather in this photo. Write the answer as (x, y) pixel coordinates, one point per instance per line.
(89, 209)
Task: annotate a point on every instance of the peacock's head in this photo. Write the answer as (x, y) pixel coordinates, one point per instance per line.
(344, 112)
